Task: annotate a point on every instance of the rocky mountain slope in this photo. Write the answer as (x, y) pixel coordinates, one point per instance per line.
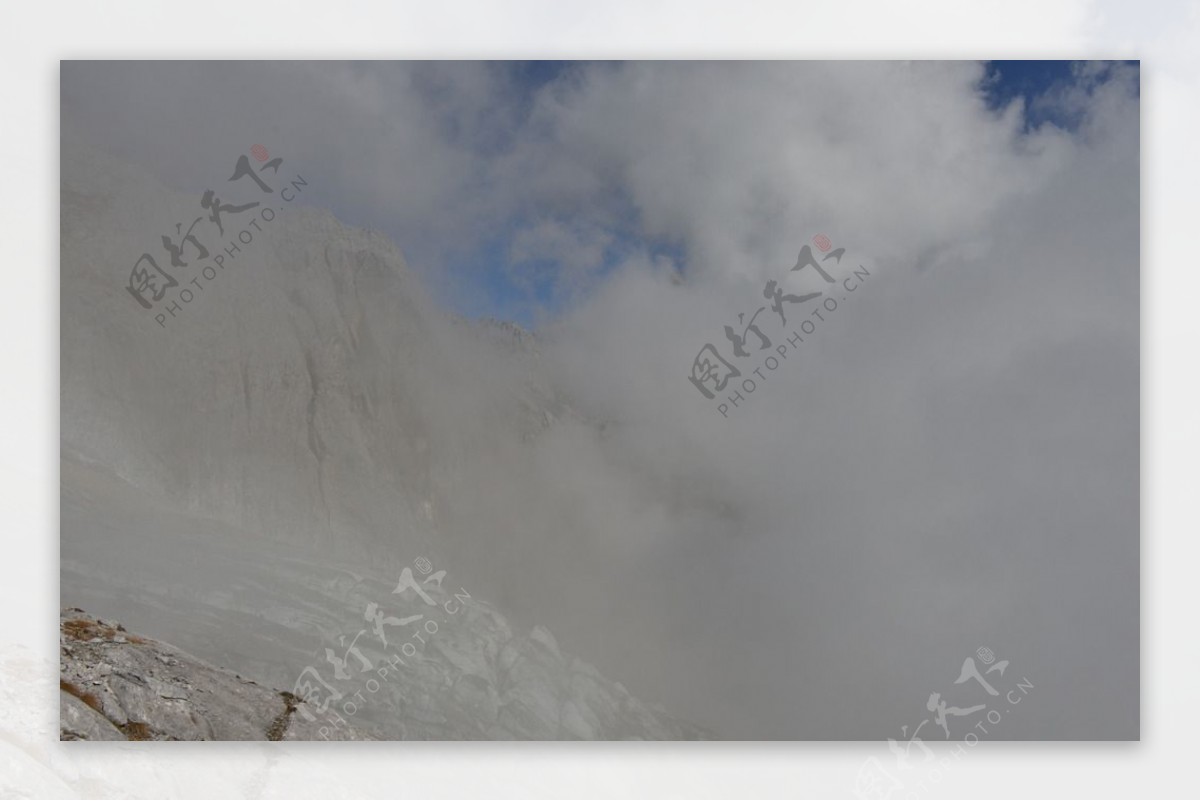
(116, 685)
(470, 678)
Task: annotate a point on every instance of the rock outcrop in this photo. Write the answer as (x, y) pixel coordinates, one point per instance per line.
(119, 686)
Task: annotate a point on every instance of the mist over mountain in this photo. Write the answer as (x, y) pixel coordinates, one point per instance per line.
(947, 461)
(308, 404)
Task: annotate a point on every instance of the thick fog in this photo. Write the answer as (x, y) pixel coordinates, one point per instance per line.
(949, 459)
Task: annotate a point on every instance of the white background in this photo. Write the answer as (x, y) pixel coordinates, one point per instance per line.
(33, 37)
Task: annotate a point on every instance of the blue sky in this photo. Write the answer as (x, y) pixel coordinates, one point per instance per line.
(1029, 80)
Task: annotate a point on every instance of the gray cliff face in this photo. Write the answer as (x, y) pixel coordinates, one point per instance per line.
(310, 392)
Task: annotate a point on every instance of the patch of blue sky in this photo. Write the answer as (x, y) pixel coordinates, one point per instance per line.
(1042, 85)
